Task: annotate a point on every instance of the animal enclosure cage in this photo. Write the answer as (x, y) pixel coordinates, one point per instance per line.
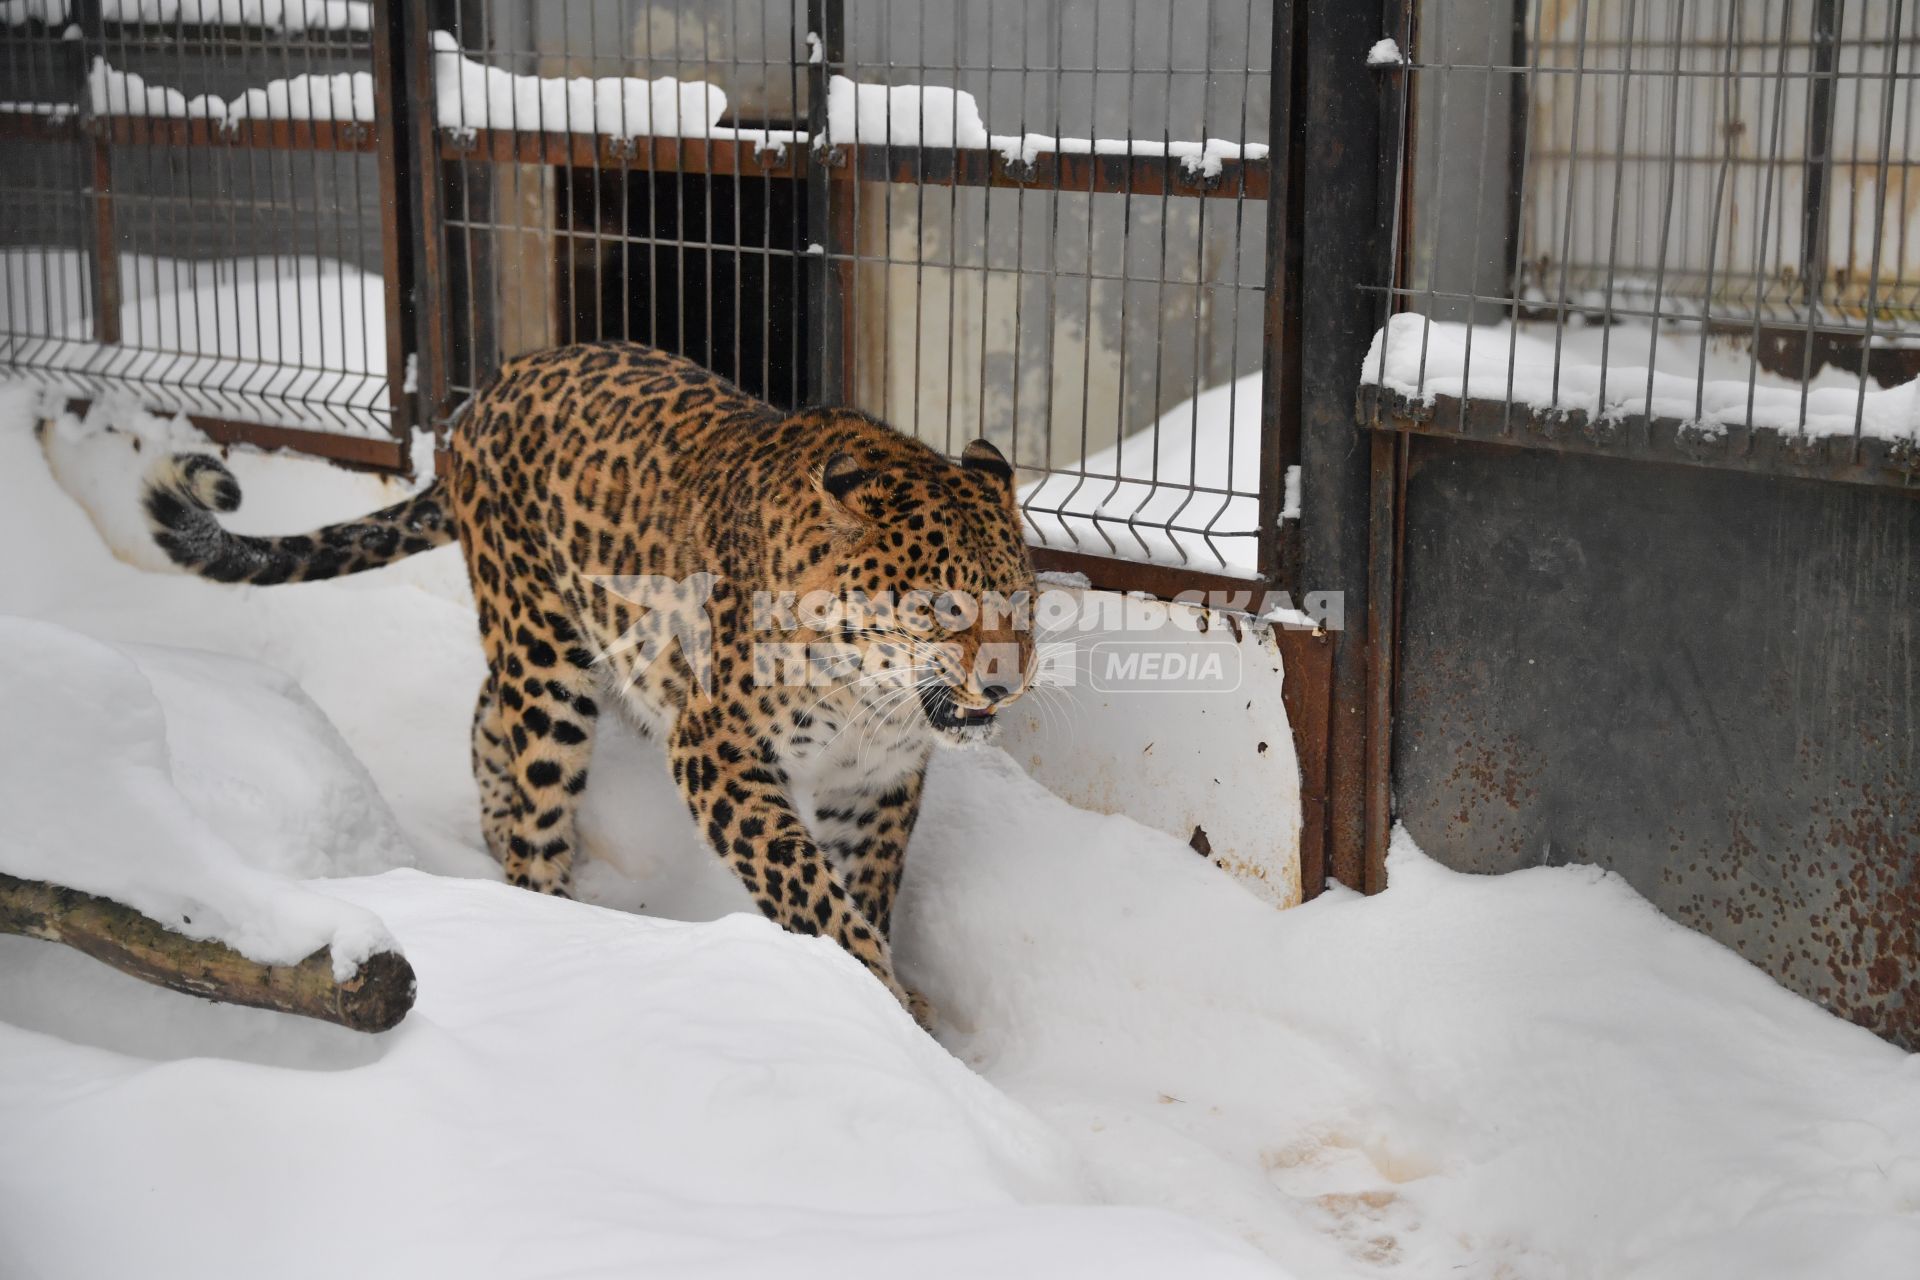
(1658, 228)
(320, 222)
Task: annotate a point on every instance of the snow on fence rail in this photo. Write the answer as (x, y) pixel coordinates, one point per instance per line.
(344, 95)
(912, 115)
(272, 15)
(1627, 370)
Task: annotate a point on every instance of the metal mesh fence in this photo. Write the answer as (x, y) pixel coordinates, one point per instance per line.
(1041, 223)
(1001, 220)
(1675, 226)
(195, 211)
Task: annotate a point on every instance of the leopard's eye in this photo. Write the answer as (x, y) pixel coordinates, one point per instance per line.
(955, 610)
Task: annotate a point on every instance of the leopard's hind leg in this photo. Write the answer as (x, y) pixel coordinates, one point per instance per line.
(493, 771)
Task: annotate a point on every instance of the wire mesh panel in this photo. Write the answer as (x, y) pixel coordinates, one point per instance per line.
(1040, 223)
(1675, 228)
(1048, 223)
(625, 171)
(201, 221)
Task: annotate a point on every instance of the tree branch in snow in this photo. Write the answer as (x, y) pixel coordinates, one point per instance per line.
(375, 998)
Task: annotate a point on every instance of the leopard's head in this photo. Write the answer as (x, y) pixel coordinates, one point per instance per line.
(930, 564)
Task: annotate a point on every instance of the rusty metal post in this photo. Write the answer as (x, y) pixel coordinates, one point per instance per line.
(1386, 519)
(427, 282)
(1349, 152)
(393, 113)
(1279, 561)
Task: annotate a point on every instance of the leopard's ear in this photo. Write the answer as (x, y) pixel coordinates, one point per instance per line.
(839, 476)
(837, 479)
(982, 456)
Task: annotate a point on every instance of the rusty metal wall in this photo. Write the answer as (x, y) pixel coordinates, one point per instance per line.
(1706, 682)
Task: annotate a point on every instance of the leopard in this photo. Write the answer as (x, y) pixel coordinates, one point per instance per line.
(642, 536)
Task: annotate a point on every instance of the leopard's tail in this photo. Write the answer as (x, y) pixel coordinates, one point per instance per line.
(183, 492)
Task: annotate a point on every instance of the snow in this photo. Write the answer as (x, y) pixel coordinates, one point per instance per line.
(1385, 53)
(1210, 441)
(52, 110)
(127, 93)
(906, 115)
(912, 115)
(1205, 159)
(1197, 158)
(294, 340)
(14, 13)
(471, 95)
(1141, 1069)
(292, 16)
(346, 95)
(1424, 359)
(94, 805)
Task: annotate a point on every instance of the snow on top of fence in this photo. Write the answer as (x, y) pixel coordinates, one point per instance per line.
(345, 95)
(472, 95)
(15, 12)
(1719, 387)
(913, 115)
(272, 15)
(1202, 158)
(903, 115)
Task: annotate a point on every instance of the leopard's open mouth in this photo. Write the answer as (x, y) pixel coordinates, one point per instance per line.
(948, 716)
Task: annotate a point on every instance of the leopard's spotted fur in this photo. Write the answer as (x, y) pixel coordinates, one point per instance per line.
(583, 470)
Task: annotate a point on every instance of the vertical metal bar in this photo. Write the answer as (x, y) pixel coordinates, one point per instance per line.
(1280, 367)
(1819, 158)
(1386, 508)
(428, 225)
(1889, 88)
(392, 110)
(1566, 230)
(826, 371)
(1519, 109)
(1613, 222)
(1772, 167)
(104, 262)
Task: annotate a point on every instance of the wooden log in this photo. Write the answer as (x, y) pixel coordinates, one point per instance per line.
(375, 998)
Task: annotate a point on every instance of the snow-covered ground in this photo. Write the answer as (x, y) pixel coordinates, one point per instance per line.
(1141, 1070)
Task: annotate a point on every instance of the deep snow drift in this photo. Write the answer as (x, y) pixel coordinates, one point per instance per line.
(1532, 1076)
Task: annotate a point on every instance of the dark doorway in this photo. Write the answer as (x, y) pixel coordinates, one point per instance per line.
(708, 266)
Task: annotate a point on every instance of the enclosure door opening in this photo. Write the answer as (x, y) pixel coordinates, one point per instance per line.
(709, 266)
